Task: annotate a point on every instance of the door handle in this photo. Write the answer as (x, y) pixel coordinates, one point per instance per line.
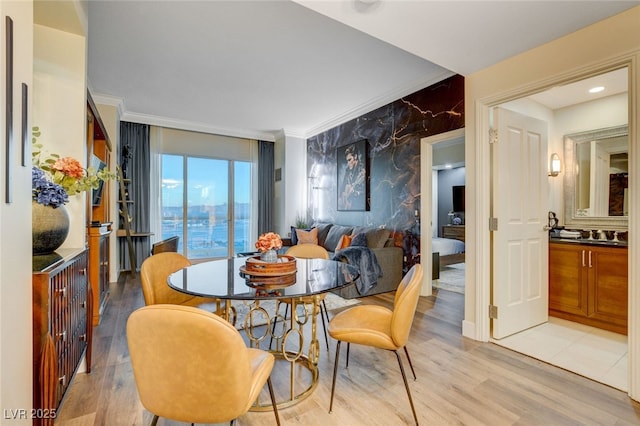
(590, 264)
(583, 264)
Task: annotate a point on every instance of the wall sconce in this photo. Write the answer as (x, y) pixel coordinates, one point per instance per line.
(555, 166)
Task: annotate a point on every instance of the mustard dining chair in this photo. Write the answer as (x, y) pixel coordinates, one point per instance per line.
(308, 251)
(153, 275)
(192, 366)
(380, 327)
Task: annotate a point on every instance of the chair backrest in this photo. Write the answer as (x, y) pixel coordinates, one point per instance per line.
(153, 276)
(189, 364)
(404, 305)
(308, 251)
(170, 244)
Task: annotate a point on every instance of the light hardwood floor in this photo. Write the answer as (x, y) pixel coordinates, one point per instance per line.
(460, 381)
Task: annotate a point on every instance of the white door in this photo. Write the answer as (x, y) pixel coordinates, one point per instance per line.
(520, 202)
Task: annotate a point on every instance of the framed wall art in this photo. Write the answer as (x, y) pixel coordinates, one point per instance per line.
(353, 176)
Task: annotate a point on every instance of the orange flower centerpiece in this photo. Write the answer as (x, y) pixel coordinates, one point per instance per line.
(268, 269)
(268, 243)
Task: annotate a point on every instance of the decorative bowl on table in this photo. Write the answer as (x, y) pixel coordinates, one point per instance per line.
(285, 265)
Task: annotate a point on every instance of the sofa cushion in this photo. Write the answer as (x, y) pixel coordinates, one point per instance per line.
(335, 232)
(307, 237)
(359, 240)
(323, 230)
(377, 237)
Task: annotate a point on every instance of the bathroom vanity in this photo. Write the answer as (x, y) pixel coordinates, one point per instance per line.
(588, 282)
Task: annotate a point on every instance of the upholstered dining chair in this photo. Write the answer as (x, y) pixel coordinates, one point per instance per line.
(380, 327)
(308, 251)
(170, 244)
(192, 366)
(153, 275)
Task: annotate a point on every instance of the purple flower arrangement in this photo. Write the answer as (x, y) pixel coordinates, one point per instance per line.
(45, 192)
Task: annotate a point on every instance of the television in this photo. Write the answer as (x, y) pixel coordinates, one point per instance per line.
(458, 198)
(96, 194)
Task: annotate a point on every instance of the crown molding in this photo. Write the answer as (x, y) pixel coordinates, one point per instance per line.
(378, 102)
(113, 101)
(373, 104)
(196, 127)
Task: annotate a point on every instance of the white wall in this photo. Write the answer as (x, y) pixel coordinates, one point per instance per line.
(16, 379)
(291, 191)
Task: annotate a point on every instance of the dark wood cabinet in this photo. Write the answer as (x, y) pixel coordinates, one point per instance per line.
(589, 284)
(62, 330)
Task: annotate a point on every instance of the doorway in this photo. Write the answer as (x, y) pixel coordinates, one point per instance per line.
(442, 180)
(589, 351)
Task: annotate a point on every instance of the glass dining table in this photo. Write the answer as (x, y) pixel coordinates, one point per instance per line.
(229, 280)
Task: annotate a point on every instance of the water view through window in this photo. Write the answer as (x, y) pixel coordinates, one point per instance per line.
(214, 196)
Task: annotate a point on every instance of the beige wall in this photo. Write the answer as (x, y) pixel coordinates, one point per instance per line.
(610, 43)
(60, 108)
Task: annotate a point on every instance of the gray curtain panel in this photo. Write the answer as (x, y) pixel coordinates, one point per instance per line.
(135, 164)
(266, 182)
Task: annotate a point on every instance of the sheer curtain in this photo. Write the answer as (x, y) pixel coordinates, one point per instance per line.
(266, 183)
(135, 164)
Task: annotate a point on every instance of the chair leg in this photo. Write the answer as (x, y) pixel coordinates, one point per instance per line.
(348, 347)
(410, 364)
(406, 385)
(335, 373)
(324, 324)
(273, 401)
(154, 421)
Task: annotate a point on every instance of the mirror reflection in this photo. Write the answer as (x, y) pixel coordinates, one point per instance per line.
(596, 183)
(602, 170)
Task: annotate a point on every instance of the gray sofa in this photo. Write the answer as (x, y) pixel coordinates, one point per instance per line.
(389, 257)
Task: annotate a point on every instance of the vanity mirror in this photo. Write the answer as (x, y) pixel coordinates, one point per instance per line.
(595, 182)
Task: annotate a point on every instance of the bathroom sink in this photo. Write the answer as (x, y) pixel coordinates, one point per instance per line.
(590, 242)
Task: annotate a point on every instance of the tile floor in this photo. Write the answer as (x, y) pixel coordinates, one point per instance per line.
(591, 352)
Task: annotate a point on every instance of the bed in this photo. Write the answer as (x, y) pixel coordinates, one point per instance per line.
(449, 251)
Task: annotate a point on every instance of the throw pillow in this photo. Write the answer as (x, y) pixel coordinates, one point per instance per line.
(294, 234)
(345, 241)
(359, 240)
(307, 237)
(336, 231)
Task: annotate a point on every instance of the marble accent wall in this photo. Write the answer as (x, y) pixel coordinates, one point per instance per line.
(393, 133)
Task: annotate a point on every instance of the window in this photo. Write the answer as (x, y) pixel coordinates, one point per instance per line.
(199, 197)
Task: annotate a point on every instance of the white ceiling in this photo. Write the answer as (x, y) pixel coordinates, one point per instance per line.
(256, 69)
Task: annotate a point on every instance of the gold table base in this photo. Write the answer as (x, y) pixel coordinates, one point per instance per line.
(295, 327)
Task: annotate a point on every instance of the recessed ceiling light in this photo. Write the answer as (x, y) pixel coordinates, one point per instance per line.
(596, 89)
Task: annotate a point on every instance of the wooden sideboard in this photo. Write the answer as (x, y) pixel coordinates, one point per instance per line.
(589, 284)
(455, 232)
(62, 330)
